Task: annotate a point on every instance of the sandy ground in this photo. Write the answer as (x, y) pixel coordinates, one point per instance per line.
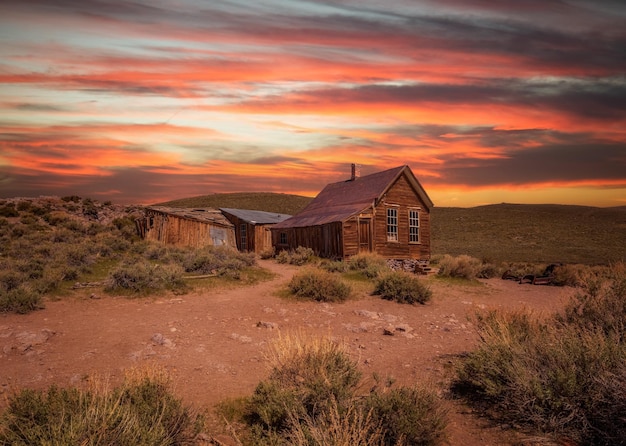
(213, 343)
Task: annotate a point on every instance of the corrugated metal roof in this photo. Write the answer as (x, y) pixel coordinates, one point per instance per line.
(339, 201)
(206, 215)
(256, 217)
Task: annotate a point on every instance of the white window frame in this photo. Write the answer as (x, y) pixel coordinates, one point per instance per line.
(392, 224)
(414, 226)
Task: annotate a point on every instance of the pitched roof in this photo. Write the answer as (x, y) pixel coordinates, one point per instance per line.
(205, 215)
(339, 201)
(256, 217)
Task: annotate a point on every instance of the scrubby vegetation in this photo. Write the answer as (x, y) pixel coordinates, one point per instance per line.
(141, 411)
(564, 375)
(300, 256)
(311, 397)
(403, 288)
(49, 245)
(319, 285)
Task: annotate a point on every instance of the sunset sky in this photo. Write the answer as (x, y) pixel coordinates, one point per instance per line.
(146, 101)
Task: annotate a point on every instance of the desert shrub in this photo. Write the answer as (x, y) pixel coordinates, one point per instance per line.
(369, 265)
(350, 426)
(408, 416)
(601, 305)
(140, 411)
(24, 205)
(21, 300)
(307, 377)
(71, 198)
(216, 260)
(28, 219)
(319, 285)
(141, 276)
(90, 209)
(402, 287)
(8, 210)
(311, 398)
(267, 253)
(564, 374)
(55, 218)
(462, 266)
(300, 256)
(334, 266)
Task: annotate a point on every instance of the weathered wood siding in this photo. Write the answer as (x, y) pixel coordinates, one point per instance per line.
(258, 236)
(262, 238)
(325, 240)
(401, 196)
(176, 230)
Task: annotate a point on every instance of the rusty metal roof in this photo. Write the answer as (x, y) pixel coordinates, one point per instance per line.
(205, 215)
(256, 217)
(339, 201)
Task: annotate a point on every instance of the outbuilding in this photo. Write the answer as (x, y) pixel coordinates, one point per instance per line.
(197, 228)
(252, 228)
(387, 213)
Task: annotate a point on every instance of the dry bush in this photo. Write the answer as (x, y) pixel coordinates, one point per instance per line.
(311, 399)
(403, 288)
(140, 276)
(320, 286)
(564, 374)
(142, 410)
(308, 375)
(300, 256)
(369, 265)
(462, 266)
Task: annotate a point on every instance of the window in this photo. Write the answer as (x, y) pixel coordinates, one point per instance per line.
(392, 225)
(243, 236)
(414, 226)
(283, 238)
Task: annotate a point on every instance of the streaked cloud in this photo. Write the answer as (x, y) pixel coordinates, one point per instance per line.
(143, 101)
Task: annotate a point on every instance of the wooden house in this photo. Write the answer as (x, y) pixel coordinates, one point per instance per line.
(252, 228)
(387, 213)
(186, 227)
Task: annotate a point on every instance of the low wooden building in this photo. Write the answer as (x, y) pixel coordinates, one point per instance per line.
(387, 213)
(187, 227)
(252, 228)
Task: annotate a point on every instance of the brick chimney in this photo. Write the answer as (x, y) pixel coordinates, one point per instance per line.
(354, 173)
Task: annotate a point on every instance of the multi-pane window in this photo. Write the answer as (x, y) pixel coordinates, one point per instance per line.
(392, 224)
(283, 238)
(414, 226)
(244, 235)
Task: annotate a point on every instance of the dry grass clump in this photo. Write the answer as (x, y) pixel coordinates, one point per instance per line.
(311, 398)
(141, 276)
(300, 256)
(403, 288)
(142, 410)
(564, 375)
(319, 285)
(465, 267)
(369, 265)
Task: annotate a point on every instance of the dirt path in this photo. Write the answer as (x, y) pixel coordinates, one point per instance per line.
(213, 343)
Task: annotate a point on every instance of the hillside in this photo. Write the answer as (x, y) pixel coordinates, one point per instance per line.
(532, 233)
(500, 232)
(257, 201)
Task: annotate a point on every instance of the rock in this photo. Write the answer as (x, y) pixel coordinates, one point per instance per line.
(270, 325)
(388, 331)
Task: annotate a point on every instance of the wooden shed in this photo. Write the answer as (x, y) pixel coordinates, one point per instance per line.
(187, 227)
(252, 228)
(387, 213)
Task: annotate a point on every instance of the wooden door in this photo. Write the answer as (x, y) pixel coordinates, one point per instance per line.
(365, 235)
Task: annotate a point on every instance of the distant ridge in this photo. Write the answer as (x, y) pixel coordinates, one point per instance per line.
(255, 201)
